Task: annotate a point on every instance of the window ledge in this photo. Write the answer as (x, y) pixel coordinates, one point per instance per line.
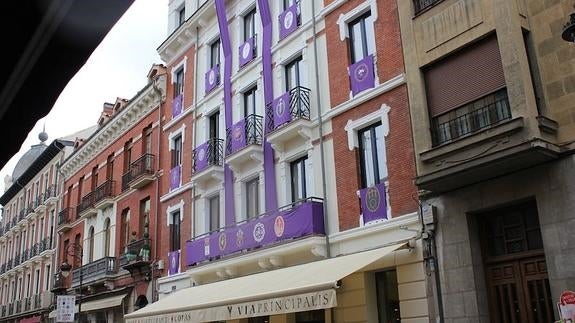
(472, 139)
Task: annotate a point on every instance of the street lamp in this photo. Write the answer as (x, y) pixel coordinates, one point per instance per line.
(568, 33)
(74, 250)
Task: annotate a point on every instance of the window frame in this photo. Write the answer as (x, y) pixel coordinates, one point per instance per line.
(215, 53)
(252, 200)
(211, 216)
(299, 166)
(250, 95)
(249, 24)
(176, 151)
(365, 22)
(375, 158)
(175, 230)
(181, 15)
(179, 81)
(296, 65)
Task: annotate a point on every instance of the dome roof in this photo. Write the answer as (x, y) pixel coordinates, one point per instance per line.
(27, 159)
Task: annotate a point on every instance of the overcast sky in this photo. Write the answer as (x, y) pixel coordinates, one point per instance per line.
(117, 68)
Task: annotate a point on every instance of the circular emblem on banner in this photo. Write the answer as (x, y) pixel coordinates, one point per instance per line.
(361, 72)
(246, 50)
(279, 226)
(373, 199)
(288, 20)
(240, 237)
(222, 241)
(211, 77)
(173, 263)
(237, 133)
(280, 107)
(259, 232)
(201, 154)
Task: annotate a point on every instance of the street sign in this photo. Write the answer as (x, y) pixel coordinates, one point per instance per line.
(567, 306)
(66, 306)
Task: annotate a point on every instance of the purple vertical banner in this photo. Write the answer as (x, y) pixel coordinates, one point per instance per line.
(238, 135)
(361, 75)
(177, 105)
(227, 50)
(173, 262)
(175, 177)
(247, 51)
(288, 20)
(212, 78)
(271, 199)
(201, 157)
(282, 111)
(373, 203)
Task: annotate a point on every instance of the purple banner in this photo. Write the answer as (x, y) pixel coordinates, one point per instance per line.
(201, 157)
(175, 177)
(288, 21)
(302, 220)
(238, 135)
(282, 112)
(173, 262)
(361, 75)
(247, 51)
(212, 78)
(373, 203)
(177, 105)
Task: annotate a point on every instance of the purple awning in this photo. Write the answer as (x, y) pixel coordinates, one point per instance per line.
(373, 203)
(361, 75)
(299, 221)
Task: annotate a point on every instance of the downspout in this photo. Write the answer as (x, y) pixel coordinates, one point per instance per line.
(321, 141)
(158, 209)
(194, 130)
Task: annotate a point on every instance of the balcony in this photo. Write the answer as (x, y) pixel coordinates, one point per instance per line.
(290, 223)
(58, 284)
(99, 270)
(288, 118)
(244, 142)
(140, 174)
(422, 5)
(137, 255)
(38, 203)
(208, 160)
(50, 195)
(65, 219)
(104, 194)
(86, 206)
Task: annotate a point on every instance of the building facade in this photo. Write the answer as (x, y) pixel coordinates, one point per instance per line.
(491, 97)
(291, 170)
(108, 213)
(28, 232)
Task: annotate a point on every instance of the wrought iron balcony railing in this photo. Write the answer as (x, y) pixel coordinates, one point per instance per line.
(66, 216)
(210, 153)
(246, 132)
(86, 203)
(104, 191)
(95, 270)
(292, 105)
(143, 166)
(50, 192)
(138, 251)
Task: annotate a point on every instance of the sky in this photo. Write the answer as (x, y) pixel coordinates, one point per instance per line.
(117, 68)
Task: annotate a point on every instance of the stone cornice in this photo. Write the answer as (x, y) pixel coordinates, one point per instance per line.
(142, 104)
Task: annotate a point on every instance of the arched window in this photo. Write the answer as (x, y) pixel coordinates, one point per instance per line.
(107, 237)
(91, 244)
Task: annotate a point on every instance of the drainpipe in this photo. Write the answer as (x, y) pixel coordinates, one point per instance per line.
(158, 209)
(321, 143)
(195, 123)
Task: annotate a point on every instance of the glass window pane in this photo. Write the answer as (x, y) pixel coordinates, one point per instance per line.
(368, 167)
(381, 154)
(252, 198)
(214, 211)
(369, 35)
(357, 42)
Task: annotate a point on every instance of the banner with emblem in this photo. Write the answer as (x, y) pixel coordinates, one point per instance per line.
(177, 105)
(301, 220)
(361, 75)
(373, 203)
(212, 78)
(247, 51)
(288, 20)
(238, 135)
(173, 262)
(201, 157)
(175, 176)
(282, 113)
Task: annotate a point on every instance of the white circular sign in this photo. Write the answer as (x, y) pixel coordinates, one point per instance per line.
(280, 107)
(246, 50)
(201, 154)
(212, 77)
(288, 19)
(259, 232)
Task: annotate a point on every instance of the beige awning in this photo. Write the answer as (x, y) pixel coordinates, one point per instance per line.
(292, 289)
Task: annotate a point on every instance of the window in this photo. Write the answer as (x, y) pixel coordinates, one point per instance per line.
(181, 16)
(177, 151)
(299, 189)
(289, 3)
(361, 37)
(144, 214)
(48, 275)
(316, 316)
(80, 184)
(214, 131)
(41, 229)
(215, 53)
(179, 82)
(293, 76)
(37, 282)
(127, 155)
(259, 319)
(252, 198)
(147, 140)
(373, 162)
(175, 231)
(94, 178)
(250, 102)
(214, 213)
(107, 237)
(110, 167)
(250, 24)
(91, 244)
(387, 296)
(77, 242)
(125, 228)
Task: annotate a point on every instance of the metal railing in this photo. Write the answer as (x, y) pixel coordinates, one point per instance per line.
(87, 202)
(50, 192)
(95, 270)
(471, 122)
(421, 5)
(65, 216)
(134, 252)
(299, 107)
(105, 190)
(253, 133)
(213, 154)
(142, 166)
(58, 281)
